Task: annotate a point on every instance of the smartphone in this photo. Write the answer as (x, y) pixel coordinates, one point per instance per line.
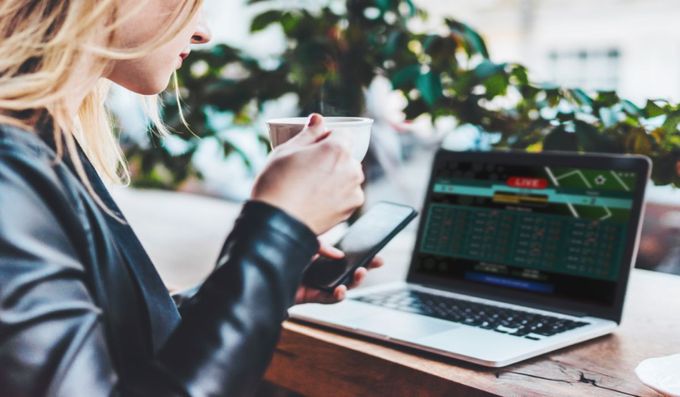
(362, 241)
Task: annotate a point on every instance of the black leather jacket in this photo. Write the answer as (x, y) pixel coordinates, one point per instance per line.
(84, 313)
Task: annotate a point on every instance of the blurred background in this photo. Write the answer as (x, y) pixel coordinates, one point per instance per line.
(631, 46)
(628, 46)
(464, 74)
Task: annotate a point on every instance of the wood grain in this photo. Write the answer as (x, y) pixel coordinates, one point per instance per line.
(320, 362)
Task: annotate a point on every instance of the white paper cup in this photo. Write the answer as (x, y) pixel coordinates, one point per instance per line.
(354, 130)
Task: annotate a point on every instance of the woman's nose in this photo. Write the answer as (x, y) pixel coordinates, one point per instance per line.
(202, 34)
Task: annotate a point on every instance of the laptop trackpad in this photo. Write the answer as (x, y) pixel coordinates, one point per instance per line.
(401, 325)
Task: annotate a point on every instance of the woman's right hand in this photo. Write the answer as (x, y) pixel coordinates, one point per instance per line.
(313, 177)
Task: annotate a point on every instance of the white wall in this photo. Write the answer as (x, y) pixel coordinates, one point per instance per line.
(646, 32)
(230, 20)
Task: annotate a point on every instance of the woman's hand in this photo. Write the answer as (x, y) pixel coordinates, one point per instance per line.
(312, 295)
(313, 177)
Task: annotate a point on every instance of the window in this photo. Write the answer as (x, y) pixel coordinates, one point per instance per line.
(592, 69)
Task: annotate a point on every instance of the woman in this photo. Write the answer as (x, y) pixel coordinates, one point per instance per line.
(82, 310)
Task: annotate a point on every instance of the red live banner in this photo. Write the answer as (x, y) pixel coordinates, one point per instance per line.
(528, 183)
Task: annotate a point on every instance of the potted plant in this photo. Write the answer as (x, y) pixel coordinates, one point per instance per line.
(335, 53)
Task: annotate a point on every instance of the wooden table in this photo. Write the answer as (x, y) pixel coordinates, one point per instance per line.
(317, 362)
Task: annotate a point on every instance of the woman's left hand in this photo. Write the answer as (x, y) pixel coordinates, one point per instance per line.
(312, 295)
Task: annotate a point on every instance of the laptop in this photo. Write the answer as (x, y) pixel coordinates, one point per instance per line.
(517, 254)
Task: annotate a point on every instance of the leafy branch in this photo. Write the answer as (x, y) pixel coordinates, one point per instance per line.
(334, 53)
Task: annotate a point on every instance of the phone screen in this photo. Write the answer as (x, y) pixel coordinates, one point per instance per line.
(361, 243)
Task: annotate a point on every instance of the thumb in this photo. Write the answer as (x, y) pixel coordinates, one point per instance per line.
(313, 132)
(330, 251)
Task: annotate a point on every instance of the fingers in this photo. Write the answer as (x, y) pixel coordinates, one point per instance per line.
(336, 150)
(359, 198)
(313, 132)
(359, 276)
(338, 160)
(315, 178)
(376, 263)
(329, 251)
(314, 127)
(340, 292)
(356, 176)
(360, 273)
(341, 141)
(359, 171)
(317, 296)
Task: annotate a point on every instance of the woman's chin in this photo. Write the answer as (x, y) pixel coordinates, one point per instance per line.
(145, 86)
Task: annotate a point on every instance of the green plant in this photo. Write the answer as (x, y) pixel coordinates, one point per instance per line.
(335, 52)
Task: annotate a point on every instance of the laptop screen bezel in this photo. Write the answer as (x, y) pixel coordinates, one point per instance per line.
(625, 163)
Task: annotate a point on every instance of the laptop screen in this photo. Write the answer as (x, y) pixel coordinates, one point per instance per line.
(543, 230)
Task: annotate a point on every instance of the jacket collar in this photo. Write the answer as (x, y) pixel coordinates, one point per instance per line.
(161, 310)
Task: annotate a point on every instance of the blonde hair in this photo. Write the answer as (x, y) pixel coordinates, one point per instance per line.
(37, 73)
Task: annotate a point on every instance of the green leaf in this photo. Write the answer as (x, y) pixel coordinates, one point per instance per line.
(474, 43)
(587, 135)
(631, 108)
(383, 5)
(413, 10)
(430, 87)
(289, 23)
(495, 85)
(560, 140)
(519, 73)
(442, 51)
(262, 21)
(638, 142)
(607, 98)
(581, 97)
(565, 116)
(463, 83)
(416, 108)
(652, 110)
(666, 169)
(590, 139)
(670, 126)
(487, 69)
(406, 77)
(396, 40)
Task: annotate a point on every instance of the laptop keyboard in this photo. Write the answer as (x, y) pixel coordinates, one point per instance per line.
(499, 319)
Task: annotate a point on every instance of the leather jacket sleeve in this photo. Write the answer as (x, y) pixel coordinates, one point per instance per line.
(53, 342)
